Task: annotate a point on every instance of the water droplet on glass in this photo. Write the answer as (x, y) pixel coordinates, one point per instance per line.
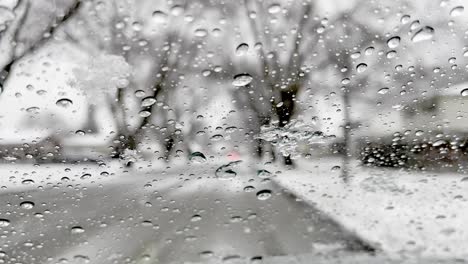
(232, 259)
(64, 102)
(177, 10)
(27, 181)
(335, 168)
(33, 110)
(159, 16)
(405, 19)
(464, 92)
(201, 33)
(85, 176)
(77, 230)
(274, 8)
(438, 143)
(4, 222)
(249, 188)
(140, 93)
(425, 33)
(361, 67)
(27, 205)
(196, 218)
(391, 54)
(144, 113)
(41, 92)
(369, 51)
(148, 101)
(264, 195)
(242, 79)
(242, 49)
(415, 25)
(457, 11)
(263, 174)
(217, 137)
(197, 157)
(355, 55)
(383, 90)
(206, 254)
(393, 42)
(226, 171)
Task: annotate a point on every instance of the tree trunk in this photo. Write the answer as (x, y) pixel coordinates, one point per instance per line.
(346, 136)
(259, 148)
(286, 111)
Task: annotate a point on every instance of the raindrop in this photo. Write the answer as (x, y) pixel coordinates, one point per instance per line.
(80, 132)
(197, 157)
(206, 254)
(393, 42)
(405, 19)
(242, 49)
(64, 102)
(438, 143)
(264, 195)
(226, 171)
(41, 92)
(177, 10)
(361, 67)
(196, 218)
(263, 174)
(425, 33)
(274, 8)
(419, 133)
(355, 55)
(27, 205)
(159, 16)
(201, 33)
(415, 25)
(33, 109)
(457, 11)
(85, 176)
(140, 93)
(77, 230)
(242, 79)
(391, 54)
(369, 51)
(148, 101)
(27, 181)
(335, 168)
(4, 222)
(465, 53)
(225, 174)
(144, 113)
(249, 188)
(217, 137)
(383, 90)
(464, 92)
(232, 259)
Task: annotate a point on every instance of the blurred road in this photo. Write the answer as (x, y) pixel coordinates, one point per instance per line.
(164, 218)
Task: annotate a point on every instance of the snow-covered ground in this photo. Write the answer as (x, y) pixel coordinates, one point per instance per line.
(405, 213)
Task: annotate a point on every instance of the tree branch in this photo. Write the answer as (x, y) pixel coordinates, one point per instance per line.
(50, 32)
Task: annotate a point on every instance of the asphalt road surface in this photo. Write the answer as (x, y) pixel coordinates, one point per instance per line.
(171, 217)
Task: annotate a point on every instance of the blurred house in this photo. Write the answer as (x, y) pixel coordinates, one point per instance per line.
(431, 128)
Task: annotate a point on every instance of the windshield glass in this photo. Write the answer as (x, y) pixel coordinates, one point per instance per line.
(250, 131)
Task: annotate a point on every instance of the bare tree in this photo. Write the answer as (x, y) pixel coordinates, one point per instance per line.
(9, 39)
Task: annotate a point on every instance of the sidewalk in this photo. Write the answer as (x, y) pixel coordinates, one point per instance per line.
(404, 213)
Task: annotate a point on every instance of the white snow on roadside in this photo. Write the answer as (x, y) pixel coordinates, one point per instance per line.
(405, 213)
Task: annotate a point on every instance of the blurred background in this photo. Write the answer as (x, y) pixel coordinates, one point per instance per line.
(381, 82)
(142, 131)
